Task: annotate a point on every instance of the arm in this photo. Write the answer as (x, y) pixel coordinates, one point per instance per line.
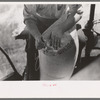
(63, 24)
(30, 19)
(33, 29)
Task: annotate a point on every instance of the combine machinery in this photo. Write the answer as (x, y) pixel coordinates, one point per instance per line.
(88, 70)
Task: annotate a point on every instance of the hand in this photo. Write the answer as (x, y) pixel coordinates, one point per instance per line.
(80, 11)
(39, 43)
(56, 35)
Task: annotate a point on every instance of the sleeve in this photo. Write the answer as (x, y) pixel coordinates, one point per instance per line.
(29, 12)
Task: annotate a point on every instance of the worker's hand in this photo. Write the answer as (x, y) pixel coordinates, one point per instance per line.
(39, 43)
(55, 38)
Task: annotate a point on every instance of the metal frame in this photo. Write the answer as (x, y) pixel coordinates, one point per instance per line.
(15, 75)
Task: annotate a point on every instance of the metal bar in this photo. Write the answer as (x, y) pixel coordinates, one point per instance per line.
(92, 12)
(8, 58)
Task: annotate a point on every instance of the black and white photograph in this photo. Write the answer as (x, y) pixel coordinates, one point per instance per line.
(49, 42)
